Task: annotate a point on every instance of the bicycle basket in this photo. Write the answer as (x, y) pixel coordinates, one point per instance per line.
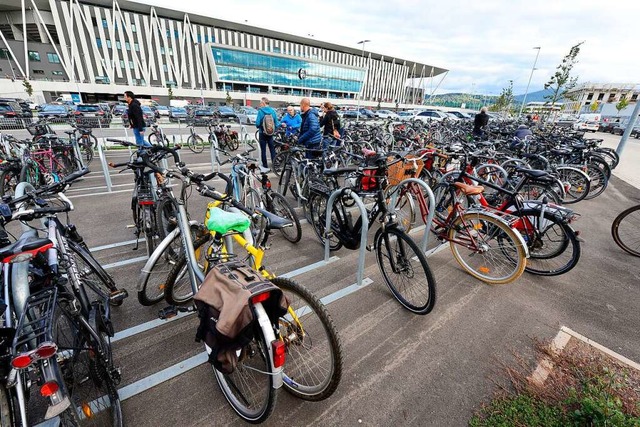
(400, 171)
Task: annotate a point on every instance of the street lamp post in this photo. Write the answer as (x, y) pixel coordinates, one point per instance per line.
(526, 92)
(362, 42)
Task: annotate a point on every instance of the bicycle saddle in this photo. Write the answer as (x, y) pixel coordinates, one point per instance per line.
(224, 222)
(28, 243)
(275, 222)
(469, 190)
(533, 173)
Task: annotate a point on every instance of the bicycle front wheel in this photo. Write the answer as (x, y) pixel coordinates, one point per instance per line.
(313, 368)
(195, 144)
(177, 286)
(576, 182)
(487, 248)
(405, 270)
(626, 230)
(404, 206)
(281, 207)
(249, 388)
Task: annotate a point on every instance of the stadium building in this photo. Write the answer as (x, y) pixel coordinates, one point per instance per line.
(102, 48)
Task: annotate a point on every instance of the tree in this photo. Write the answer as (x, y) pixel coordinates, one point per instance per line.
(562, 82)
(228, 100)
(170, 92)
(27, 87)
(594, 107)
(622, 104)
(504, 102)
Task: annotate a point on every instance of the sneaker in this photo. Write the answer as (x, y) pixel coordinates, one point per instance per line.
(264, 170)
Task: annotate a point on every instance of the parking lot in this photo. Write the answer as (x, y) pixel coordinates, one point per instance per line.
(398, 368)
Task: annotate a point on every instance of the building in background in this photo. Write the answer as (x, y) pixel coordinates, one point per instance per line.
(101, 48)
(581, 98)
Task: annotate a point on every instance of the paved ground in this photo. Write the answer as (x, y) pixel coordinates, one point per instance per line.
(399, 369)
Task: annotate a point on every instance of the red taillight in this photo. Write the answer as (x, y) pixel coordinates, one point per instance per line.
(21, 361)
(26, 255)
(267, 184)
(260, 298)
(46, 350)
(145, 202)
(101, 112)
(77, 113)
(49, 388)
(10, 114)
(279, 353)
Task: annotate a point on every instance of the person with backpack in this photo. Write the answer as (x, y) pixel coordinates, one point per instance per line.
(310, 135)
(330, 123)
(266, 122)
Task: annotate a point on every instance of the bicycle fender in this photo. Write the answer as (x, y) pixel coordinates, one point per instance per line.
(502, 219)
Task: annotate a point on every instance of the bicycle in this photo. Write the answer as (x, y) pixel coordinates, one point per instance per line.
(157, 136)
(625, 230)
(396, 253)
(194, 141)
(61, 333)
(306, 331)
(86, 142)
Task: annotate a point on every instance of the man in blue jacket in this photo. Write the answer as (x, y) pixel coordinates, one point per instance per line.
(291, 121)
(266, 139)
(310, 135)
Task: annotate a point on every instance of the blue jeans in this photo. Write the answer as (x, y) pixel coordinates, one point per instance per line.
(139, 135)
(264, 141)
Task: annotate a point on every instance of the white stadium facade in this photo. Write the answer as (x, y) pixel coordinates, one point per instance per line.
(102, 48)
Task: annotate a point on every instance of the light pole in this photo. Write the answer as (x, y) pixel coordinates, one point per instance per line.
(526, 92)
(202, 71)
(362, 42)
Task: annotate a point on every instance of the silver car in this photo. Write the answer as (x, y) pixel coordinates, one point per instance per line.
(247, 115)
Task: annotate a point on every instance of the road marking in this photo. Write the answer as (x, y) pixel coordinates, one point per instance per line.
(112, 245)
(125, 262)
(308, 268)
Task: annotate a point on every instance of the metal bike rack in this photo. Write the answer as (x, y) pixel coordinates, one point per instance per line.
(363, 233)
(215, 160)
(105, 166)
(76, 151)
(432, 211)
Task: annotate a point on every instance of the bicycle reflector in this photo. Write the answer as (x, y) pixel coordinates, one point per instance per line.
(26, 255)
(260, 298)
(49, 388)
(279, 353)
(44, 351)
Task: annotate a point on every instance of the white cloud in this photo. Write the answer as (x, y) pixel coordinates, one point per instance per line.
(484, 44)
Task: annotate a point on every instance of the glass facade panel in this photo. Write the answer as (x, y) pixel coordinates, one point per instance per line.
(249, 67)
(54, 58)
(34, 56)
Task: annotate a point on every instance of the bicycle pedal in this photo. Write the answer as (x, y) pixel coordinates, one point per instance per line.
(168, 312)
(370, 248)
(118, 296)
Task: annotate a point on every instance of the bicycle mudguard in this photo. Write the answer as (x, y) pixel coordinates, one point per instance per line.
(506, 218)
(223, 222)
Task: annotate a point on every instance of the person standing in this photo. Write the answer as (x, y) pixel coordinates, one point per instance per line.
(310, 135)
(291, 121)
(330, 123)
(266, 122)
(136, 119)
(480, 121)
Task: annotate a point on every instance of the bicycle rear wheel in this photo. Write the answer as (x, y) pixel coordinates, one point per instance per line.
(405, 270)
(249, 388)
(576, 182)
(313, 368)
(487, 248)
(281, 207)
(195, 144)
(626, 230)
(177, 286)
(404, 206)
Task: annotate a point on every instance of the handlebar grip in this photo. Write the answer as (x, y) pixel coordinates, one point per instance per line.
(75, 175)
(117, 165)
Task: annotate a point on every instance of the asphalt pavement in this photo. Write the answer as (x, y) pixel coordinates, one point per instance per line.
(399, 368)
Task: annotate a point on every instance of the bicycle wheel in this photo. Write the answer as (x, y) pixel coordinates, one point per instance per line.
(89, 375)
(285, 180)
(538, 191)
(487, 248)
(195, 144)
(154, 139)
(318, 214)
(576, 182)
(281, 207)
(86, 151)
(252, 200)
(404, 206)
(93, 141)
(626, 230)
(278, 162)
(249, 388)
(93, 275)
(6, 418)
(177, 286)
(313, 368)
(599, 180)
(405, 270)
(166, 216)
(9, 178)
(553, 246)
(233, 142)
(148, 221)
(609, 155)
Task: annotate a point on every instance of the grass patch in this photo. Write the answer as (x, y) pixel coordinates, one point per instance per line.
(585, 388)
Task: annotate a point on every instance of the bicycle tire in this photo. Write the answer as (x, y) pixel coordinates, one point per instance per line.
(150, 229)
(87, 374)
(177, 286)
(599, 181)
(283, 183)
(233, 142)
(418, 298)
(254, 373)
(9, 178)
(153, 139)
(252, 200)
(92, 274)
(631, 245)
(553, 246)
(6, 413)
(318, 209)
(609, 155)
(281, 207)
(277, 163)
(313, 368)
(166, 217)
(579, 184)
(508, 247)
(195, 144)
(87, 154)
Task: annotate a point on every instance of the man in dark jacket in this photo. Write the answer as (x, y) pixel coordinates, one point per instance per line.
(310, 135)
(480, 121)
(136, 119)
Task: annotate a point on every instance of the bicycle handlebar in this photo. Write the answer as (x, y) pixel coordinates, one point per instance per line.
(49, 188)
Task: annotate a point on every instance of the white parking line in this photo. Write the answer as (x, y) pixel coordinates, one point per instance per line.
(125, 262)
(112, 245)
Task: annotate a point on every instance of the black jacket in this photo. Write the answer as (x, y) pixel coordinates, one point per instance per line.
(481, 120)
(330, 121)
(136, 119)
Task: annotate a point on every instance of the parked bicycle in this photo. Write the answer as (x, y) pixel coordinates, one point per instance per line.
(626, 230)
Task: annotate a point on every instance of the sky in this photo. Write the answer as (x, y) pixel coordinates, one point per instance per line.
(484, 44)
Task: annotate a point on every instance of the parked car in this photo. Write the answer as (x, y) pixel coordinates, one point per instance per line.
(586, 126)
(607, 125)
(201, 116)
(405, 115)
(367, 114)
(91, 115)
(226, 113)
(55, 111)
(247, 115)
(621, 127)
(119, 109)
(430, 115)
(107, 110)
(386, 114)
(162, 111)
(460, 115)
(178, 114)
(351, 114)
(11, 115)
(24, 106)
